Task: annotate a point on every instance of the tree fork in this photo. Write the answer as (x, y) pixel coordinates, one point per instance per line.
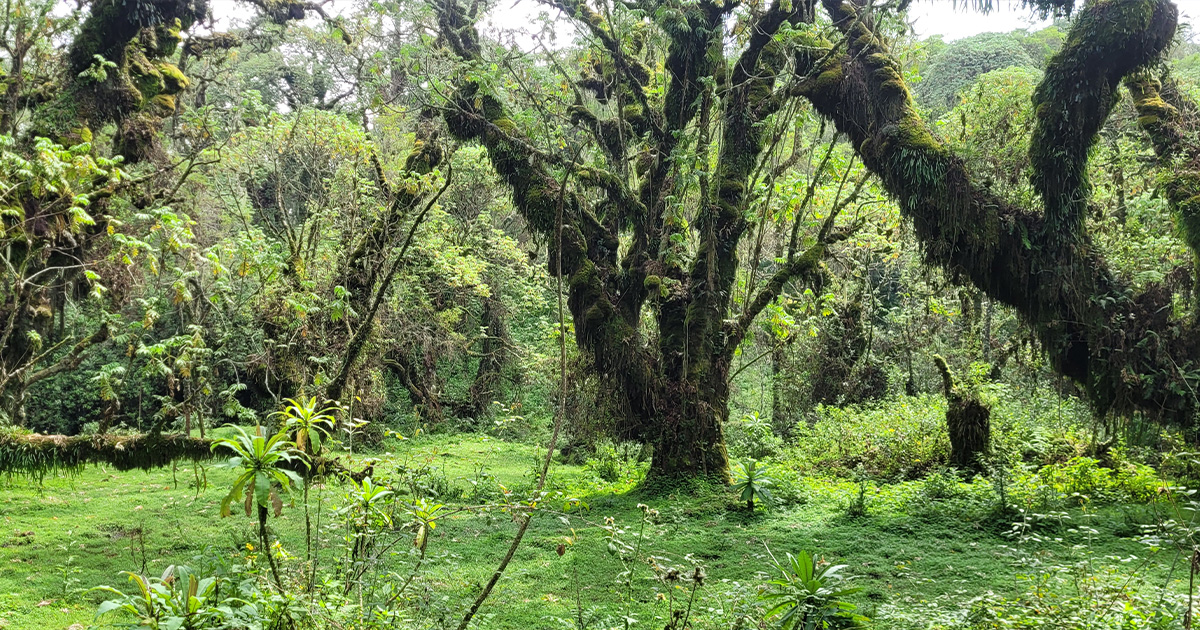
(1094, 328)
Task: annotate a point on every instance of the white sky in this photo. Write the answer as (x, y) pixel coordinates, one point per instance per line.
(930, 17)
(939, 17)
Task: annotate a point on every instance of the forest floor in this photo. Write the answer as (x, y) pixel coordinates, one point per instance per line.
(917, 564)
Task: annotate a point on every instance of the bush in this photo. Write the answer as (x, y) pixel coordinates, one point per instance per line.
(752, 438)
(898, 438)
(1075, 597)
(612, 462)
(961, 62)
(1037, 425)
(1084, 480)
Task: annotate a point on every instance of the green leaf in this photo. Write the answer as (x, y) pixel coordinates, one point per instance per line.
(109, 606)
(262, 489)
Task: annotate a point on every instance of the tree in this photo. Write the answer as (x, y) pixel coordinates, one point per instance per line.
(968, 421)
(1129, 349)
(672, 148)
(963, 61)
(51, 204)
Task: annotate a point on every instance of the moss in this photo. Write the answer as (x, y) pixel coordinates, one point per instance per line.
(866, 40)
(164, 101)
(174, 81)
(168, 38)
(881, 60)
(894, 88)
(1162, 123)
(1108, 42)
(506, 125)
(97, 36)
(830, 77)
(1159, 119)
(35, 455)
(142, 73)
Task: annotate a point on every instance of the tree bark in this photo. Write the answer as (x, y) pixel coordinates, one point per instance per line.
(493, 356)
(1123, 347)
(673, 390)
(968, 421)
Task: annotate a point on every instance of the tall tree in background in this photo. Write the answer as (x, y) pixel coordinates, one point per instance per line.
(56, 201)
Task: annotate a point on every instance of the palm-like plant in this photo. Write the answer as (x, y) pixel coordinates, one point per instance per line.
(424, 514)
(176, 600)
(752, 483)
(365, 503)
(307, 423)
(260, 460)
(808, 596)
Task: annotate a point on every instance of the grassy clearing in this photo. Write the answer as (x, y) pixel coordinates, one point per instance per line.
(920, 559)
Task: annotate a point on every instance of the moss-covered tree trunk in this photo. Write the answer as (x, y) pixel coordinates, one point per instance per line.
(689, 439)
(494, 355)
(619, 214)
(1123, 345)
(368, 273)
(968, 422)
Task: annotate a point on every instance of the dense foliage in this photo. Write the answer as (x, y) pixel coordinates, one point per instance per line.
(721, 255)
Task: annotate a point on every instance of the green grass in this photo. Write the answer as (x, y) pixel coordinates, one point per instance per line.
(79, 532)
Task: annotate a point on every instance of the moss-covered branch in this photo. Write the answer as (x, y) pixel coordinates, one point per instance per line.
(37, 455)
(1124, 348)
(1108, 41)
(1163, 123)
(587, 259)
(120, 73)
(360, 272)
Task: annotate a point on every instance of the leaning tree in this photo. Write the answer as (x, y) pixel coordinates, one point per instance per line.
(1131, 349)
(676, 122)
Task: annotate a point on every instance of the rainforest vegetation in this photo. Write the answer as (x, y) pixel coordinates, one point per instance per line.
(680, 314)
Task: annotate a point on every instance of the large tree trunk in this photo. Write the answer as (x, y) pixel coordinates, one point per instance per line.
(689, 439)
(614, 242)
(781, 421)
(493, 356)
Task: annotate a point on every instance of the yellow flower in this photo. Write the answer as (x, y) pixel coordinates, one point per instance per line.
(249, 547)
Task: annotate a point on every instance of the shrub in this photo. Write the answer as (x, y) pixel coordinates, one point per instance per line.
(898, 438)
(180, 599)
(606, 464)
(1077, 597)
(752, 438)
(1083, 480)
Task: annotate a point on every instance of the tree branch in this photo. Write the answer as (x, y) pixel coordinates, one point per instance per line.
(1125, 349)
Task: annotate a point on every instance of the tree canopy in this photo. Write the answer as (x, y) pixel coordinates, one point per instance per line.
(379, 203)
